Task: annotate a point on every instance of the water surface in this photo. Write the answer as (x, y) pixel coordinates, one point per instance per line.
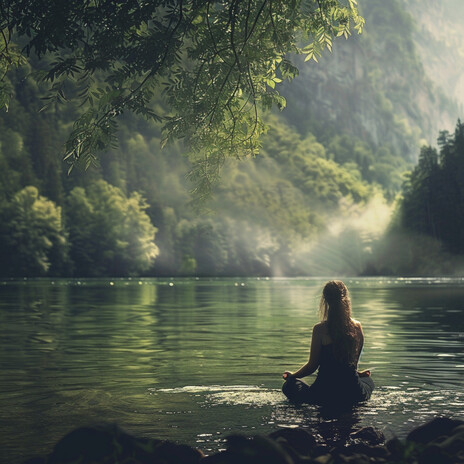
(197, 360)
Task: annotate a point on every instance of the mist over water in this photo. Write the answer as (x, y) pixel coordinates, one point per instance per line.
(348, 245)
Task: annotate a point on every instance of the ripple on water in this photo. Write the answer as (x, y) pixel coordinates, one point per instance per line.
(392, 408)
(238, 395)
(81, 349)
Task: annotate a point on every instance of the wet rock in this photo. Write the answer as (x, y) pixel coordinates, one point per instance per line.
(435, 455)
(396, 448)
(295, 457)
(352, 459)
(445, 448)
(86, 444)
(440, 441)
(299, 440)
(375, 451)
(440, 426)
(172, 453)
(223, 457)
(320, 450)
(453, 444)
(368, 435)
(256, 450)
(324, 459)
(36, 460)
(107, 444)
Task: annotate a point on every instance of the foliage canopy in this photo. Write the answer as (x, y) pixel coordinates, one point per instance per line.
(216, 62)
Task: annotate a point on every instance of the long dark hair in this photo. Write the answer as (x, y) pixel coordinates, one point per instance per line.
(335, 308)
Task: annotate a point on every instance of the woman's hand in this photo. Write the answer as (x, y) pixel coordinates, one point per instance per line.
(286, 375)
(366, 373)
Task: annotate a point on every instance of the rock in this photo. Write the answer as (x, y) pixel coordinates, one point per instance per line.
(352, 459)
(446, 448)
(368, 435)
(396, 448)
(292, 453)
(324, 459)
(223, 457)
(432, 430)
(36, 460)
(458, 430)
(375, 451)
(256, 450)
(441, 441)
(435, 455)
(320, 450)
(169, 452)
(298, 439)
(86, 444)
(106, 444)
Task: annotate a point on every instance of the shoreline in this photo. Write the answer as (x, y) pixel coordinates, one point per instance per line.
(439, 441)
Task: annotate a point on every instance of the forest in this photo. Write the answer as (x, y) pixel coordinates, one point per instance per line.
(433, 194)
(334, 188)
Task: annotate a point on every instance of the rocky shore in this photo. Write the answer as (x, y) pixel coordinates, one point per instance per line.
(440, 441)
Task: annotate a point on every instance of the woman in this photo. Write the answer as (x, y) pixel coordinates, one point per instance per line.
(336, 344)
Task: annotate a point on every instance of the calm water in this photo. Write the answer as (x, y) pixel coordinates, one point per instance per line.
(197, 360)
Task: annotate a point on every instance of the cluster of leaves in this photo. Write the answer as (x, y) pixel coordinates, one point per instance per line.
(32, 236)
(10, 57)
(216, 61)
(433, 202)
(106, 234)
(110, 234)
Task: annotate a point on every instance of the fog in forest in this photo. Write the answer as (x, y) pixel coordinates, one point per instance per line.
(340, 186)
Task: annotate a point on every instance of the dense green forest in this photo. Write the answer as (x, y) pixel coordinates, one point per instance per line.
(433, 201)
(315, 201)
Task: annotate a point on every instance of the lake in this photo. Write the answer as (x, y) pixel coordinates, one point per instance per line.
(195, 360)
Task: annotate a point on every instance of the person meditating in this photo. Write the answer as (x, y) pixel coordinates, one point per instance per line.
(336, 345)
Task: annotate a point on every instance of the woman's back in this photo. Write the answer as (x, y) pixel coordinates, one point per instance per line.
(337, 379)
(350, 345)
(336, 345)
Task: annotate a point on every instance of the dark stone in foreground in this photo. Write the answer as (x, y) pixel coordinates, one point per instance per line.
(440, 441)
(435, 428)
(368, 435)
(295, 440)
(108, 444)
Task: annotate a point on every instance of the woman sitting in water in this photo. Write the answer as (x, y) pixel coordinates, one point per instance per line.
(336, 345)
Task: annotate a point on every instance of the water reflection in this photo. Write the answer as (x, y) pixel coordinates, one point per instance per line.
(195, 360)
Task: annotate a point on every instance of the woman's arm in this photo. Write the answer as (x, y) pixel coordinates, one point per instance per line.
(366, 372)
(360, 341)
(314, 354)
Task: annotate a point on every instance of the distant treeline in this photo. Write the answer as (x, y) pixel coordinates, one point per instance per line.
(433, 202)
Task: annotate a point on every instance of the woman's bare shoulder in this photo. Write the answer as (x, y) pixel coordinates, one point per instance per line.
(321, 329)
(320, 326)
(357, 323)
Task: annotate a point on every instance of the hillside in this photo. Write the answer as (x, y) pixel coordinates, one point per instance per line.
(438, 37)
(330, 167)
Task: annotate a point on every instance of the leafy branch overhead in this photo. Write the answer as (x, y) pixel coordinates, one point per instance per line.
(216, 64)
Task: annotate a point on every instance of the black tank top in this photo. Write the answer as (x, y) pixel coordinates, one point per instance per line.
(339, 382)
(331, 369)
